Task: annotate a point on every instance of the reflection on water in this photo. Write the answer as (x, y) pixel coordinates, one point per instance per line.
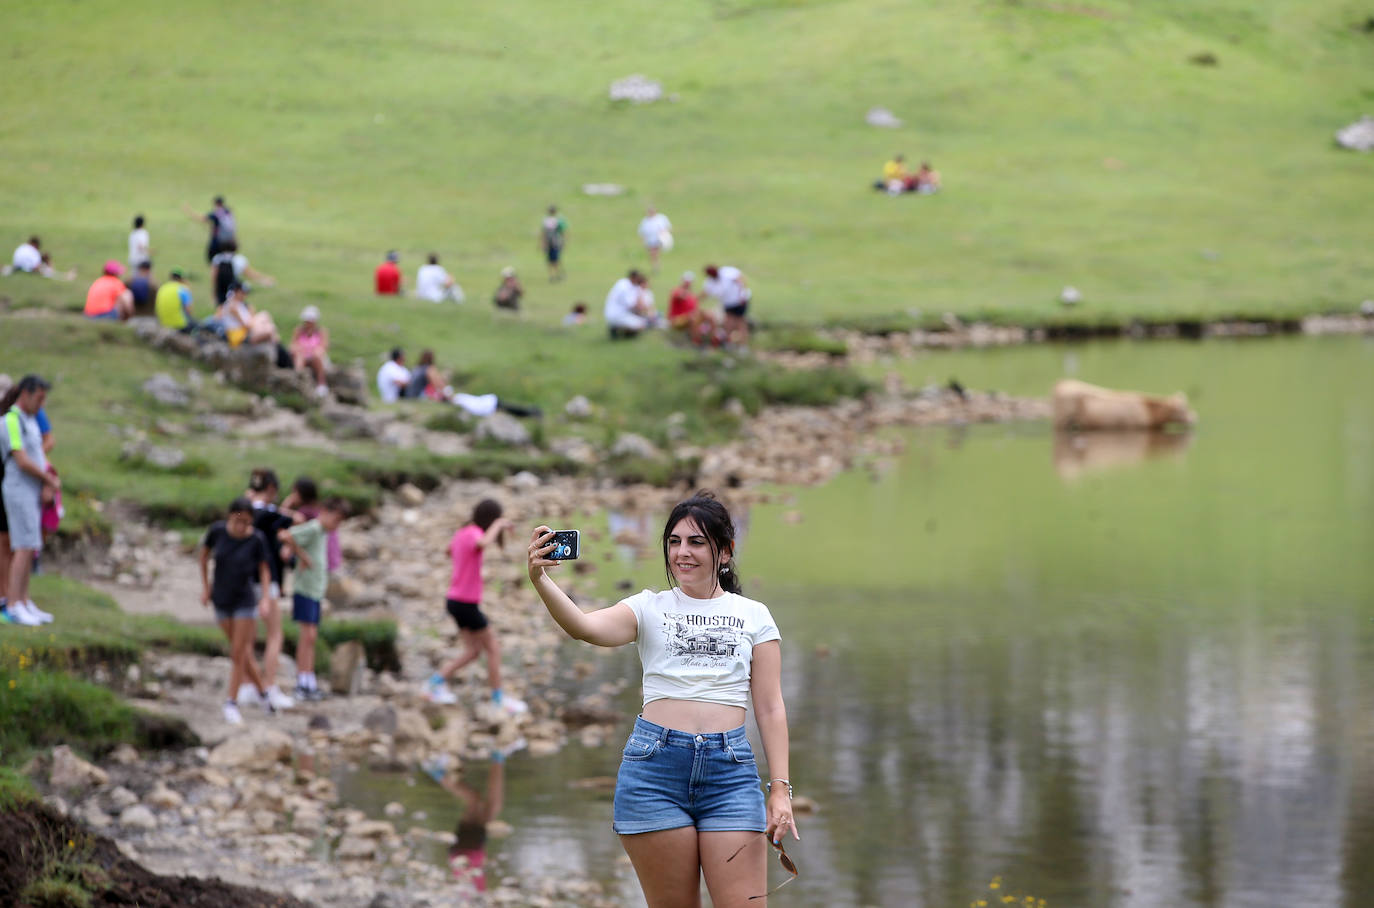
(1078, 454)
(1151, 685)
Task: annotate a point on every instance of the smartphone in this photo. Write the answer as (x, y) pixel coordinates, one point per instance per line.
(567, 545)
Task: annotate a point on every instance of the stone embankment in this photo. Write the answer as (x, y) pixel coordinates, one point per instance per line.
(257, 804)
(863, 347)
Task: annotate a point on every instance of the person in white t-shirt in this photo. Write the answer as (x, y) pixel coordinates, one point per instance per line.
(140, 245)
(629, 306)
(393, 377)
(434, 283)
(656, 233)
(30, 259)
(687, 799)
(727, 284)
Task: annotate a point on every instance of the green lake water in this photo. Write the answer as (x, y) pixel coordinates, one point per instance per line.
(1121, 672)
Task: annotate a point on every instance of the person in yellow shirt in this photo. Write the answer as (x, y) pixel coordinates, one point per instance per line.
(894, 171)
(173, 303)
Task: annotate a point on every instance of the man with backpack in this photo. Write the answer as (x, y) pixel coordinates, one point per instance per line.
(553, 233)
(223, 228)
(229, 267)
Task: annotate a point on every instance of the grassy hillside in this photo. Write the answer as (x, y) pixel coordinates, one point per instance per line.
(1078, 145)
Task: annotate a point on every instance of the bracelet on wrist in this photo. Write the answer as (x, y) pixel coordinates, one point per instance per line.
(768, 786)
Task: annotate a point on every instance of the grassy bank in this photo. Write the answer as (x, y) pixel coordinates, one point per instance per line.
(98, 404)
(46, 699)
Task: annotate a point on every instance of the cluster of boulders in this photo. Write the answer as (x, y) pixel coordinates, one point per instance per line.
(252, 366)
(256, 810)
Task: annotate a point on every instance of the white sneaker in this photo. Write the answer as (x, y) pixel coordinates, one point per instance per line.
(20, 614)
(439, 693)
(321, 390)
(278, 699)
(248, 695)
(38, 612)
(232, 714)
(513, 706)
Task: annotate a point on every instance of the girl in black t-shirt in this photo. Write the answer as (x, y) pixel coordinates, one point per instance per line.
(240, 555)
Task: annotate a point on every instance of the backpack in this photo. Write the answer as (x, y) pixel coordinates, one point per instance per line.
(553, 232)
(225, 228)
(224, 275)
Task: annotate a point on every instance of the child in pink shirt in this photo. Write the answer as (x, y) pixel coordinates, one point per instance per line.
(464, 603)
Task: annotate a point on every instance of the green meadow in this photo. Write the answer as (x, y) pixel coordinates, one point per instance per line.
(1079, 144)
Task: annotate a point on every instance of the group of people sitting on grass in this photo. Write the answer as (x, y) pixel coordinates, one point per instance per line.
(629, 310)
(262, 546)
(31, 494)
(121, 293)
(396, 381)
(434, 284)
(897, 179)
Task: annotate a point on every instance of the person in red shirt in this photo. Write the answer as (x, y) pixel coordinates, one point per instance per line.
(685, 314)
(388, 276)
(108, 298)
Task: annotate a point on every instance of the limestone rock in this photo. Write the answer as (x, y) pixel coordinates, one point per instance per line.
(504, 429)
(353, 848)
(137, 817)
(163, 798)
(122, 798)
(1358, 136)
(394, 809)
(578, 408)
(523, 481)
(382, 720)
(343, 592)
(166, 390)
(637, 89)
(631, 445)
(412, 727)
(882, 118)
(255, 747)
(410, 495)
(347, 662)
(71, 772)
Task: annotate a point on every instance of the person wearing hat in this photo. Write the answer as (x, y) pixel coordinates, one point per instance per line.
(310, 349)
(108, 298)
(387, 277)
(173, 303)
(27, 482)
(509, 292)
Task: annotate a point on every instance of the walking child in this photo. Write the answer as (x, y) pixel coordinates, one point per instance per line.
(241, 588)
(464, 603)
(310, 543)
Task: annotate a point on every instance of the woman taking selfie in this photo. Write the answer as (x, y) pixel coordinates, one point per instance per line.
(687, 797)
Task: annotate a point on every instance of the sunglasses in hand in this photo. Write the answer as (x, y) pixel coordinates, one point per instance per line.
(782, 859)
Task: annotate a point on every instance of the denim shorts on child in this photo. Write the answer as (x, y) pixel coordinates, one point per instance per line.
(669, 779)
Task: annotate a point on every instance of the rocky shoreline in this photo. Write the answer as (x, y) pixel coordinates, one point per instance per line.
(863, 346)
(256, 804)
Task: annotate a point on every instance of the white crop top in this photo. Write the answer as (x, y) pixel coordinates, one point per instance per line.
(699, 649)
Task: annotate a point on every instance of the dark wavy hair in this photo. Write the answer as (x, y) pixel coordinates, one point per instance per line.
(486, 512)
(262, 479)
(715, 523)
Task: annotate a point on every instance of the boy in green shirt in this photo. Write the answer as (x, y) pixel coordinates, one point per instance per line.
(309, 541)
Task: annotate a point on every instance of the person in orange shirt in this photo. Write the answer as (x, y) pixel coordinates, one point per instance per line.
(108, 298)
(388, 276)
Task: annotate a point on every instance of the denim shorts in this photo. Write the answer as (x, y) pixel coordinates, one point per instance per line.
(669, 779)
(244, 610)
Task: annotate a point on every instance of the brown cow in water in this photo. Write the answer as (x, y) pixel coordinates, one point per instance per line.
(1079, 406)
